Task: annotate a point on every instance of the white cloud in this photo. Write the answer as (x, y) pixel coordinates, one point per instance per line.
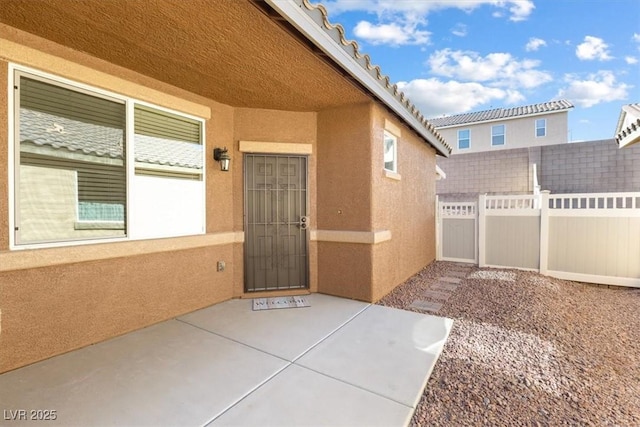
(393, 34)
(403, 21)
(499, 68)
(519, 9)
(593, 48)
(459, 30)
(631, 60)
(596, 88)
(534, 44)
(435, 98)
(636, 37)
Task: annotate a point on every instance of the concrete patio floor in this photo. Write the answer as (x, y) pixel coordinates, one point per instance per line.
(338, 362)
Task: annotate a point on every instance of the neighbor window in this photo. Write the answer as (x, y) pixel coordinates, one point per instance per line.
(390, 152)
(541, 127)
(464, 140)
(73, 153)
(497, 135)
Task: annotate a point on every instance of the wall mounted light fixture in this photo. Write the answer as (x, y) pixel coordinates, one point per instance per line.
(222, 155)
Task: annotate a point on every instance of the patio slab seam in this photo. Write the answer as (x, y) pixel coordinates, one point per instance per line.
(248, 393)
(293, 362)
(357, 386)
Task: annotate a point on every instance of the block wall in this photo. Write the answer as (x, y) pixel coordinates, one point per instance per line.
(585, 167)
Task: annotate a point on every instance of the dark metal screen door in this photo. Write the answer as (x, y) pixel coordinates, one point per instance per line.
(275, 222)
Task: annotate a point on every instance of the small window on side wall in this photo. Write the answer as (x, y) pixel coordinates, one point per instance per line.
(541, 127)
(390, 152)
(464, 139)
(497, 135)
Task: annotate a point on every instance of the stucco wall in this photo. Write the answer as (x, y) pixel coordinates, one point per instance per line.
(581, 167)
(344, 199)
(405, 206)
(85, 294)
(51, 310)
(519, 133)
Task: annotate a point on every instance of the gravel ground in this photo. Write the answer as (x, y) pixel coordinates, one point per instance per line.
(526, 349)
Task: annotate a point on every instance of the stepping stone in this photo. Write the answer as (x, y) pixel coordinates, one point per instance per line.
(426, 305)
(458, 273)
(454, 280)
(444, 286)
(443, 296)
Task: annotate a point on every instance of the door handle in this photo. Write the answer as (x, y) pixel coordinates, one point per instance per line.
(304, 222)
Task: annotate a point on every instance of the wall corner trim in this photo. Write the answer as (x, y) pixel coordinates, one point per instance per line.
(274, 147)
(348, 236)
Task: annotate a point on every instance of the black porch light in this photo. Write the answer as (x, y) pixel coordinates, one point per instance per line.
(221, 155)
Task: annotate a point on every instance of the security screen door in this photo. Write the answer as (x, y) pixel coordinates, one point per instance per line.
(275, 222)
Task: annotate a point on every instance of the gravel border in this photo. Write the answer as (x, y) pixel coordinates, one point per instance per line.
(526, 349)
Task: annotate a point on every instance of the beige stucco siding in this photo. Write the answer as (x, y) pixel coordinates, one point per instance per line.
(519, 133)
(406, 207)
(51, 310)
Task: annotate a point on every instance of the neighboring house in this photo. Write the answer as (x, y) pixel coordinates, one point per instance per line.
(628, 128)
(114, 214)
(582, 167)
(506, 128)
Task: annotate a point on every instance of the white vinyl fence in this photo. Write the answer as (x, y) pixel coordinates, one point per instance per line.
(457, 231)
(584, 237)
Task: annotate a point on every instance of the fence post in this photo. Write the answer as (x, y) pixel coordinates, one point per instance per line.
(482, 234)
(544, 232)
(438, 228)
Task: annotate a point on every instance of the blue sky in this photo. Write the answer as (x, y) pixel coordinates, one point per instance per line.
(456, 56)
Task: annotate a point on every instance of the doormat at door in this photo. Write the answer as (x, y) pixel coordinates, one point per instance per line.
(280, 302)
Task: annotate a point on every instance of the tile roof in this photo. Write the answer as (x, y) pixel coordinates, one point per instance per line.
(628, 129)
(502, 113)
(59, 132)
(351, 47)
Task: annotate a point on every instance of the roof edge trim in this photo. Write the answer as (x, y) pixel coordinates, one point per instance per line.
(319, 34)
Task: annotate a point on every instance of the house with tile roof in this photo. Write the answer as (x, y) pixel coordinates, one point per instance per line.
(628, 127)
(168, 156)
(506, 128)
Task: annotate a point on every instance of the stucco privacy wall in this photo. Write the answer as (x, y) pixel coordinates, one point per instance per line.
(58, 299)
(584, 167)
(412, 227)
(344, 199)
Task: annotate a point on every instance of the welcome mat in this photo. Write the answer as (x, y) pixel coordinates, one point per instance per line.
(280, 302)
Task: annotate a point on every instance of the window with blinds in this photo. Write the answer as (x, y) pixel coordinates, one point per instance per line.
(71, 180)
(167, 144)
(72, 174)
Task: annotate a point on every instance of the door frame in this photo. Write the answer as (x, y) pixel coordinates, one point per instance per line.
(245, 221)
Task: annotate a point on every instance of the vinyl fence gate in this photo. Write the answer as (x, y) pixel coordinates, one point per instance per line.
(457, 231)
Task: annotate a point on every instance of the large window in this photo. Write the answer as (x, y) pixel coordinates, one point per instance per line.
(497, 135)
(81, 173)
(390, 152)
(464, 139)
(541, 127)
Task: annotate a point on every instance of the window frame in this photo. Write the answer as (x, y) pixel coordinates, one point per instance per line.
(13, 170)
(468, 139)
(503, 135)
(389, 135)
(544, 127)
